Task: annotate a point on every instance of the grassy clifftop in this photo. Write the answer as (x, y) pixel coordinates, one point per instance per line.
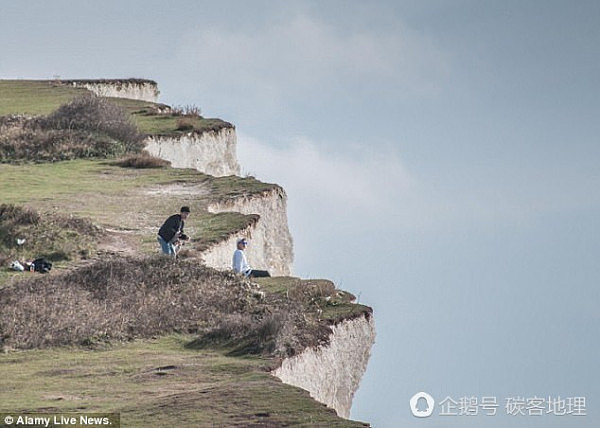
(130, 202)
(160, 383)
(34, 97)
(42, 97)
(113, 328)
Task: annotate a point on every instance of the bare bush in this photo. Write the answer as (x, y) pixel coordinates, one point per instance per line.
(87, 127)
(189, 110)
(124, 299)
(55, 237)
(143, 160)
(93, 113)
(18, 215)
(184, 124)
(35, 145)
(119, 299)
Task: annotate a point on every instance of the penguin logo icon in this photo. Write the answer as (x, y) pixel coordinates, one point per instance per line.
(421, 405)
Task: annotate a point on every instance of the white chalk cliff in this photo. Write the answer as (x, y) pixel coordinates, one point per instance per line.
(270, 239)
(332, 373)
(135, 89)
(211, 152)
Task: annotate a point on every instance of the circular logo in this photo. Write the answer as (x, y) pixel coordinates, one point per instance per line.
(8, 420)
(421, 405)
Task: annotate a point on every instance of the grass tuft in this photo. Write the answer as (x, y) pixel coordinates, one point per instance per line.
(142, 161)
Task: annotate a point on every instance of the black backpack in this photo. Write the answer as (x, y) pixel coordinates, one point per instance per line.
(42, 265)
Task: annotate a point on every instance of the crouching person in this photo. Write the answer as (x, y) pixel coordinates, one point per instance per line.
(170, 234)
(240, 264)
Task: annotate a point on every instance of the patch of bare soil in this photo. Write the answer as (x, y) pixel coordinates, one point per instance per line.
(179, 189)
(119, 242)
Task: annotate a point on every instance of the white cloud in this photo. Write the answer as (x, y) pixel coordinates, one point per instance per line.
(359, 188)
(304, 53)
(335, 199)
(357, 180)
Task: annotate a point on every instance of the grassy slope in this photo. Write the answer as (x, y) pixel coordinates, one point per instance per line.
(137, 200)
(34, 97)
(157, 383)
(205, 387)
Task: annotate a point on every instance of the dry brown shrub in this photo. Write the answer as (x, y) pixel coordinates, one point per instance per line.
(124, 298)
(93, 113)
(189, 110)
(185, 124)
(87, 127)
(143, 160)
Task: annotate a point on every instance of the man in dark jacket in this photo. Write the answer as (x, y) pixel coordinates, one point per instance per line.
(172, 231)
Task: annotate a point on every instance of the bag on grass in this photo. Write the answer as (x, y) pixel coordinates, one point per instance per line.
(42, 265)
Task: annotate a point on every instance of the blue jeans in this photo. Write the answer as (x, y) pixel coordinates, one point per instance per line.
(166, 247)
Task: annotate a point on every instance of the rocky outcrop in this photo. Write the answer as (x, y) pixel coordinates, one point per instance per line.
(136, 89)
(270, 244)
(210, 152)
(332, 373)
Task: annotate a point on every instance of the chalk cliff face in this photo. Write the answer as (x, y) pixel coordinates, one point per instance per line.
(270, 242)
(136, 89)
(332, 373)
(211, 152)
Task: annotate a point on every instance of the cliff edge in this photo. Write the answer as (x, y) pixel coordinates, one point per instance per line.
(332, 373)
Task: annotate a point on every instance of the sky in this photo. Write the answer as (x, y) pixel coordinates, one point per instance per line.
(441, 160)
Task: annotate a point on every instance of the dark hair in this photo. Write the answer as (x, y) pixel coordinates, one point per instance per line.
(185, 209)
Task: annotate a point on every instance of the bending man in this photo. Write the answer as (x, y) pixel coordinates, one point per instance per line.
(171, 232)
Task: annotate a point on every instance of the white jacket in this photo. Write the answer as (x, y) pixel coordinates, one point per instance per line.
(240, 264)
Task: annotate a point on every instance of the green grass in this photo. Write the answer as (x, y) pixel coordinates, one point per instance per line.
(232, 186)
(34, 97)
(42, 97)
(81, 185)
(278, 285)
(157, 383)
(325, 301)
(148, 121)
